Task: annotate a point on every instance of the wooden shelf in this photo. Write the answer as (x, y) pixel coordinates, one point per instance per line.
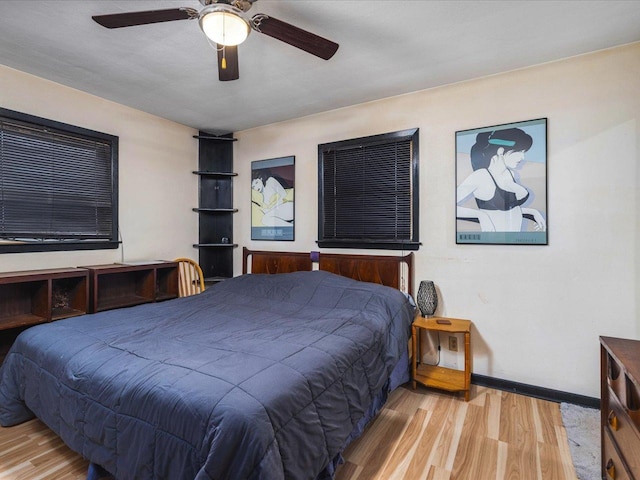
(216, 138)
(65, 312)
(216, 279)
(7, 337)
(161, 297)
(455, 325)
(216, 174)
(21, 320)
(121, 301)
(125, 285)
(166, 281)
(214, 245)
(215, 210)
(441, 377)
(215, 204)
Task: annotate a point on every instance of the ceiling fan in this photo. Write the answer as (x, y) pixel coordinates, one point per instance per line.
(225, 23)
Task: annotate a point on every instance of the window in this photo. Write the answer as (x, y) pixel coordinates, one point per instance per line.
(368, 192)
(58, 186)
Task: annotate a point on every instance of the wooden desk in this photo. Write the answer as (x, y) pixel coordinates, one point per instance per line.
(441, 377)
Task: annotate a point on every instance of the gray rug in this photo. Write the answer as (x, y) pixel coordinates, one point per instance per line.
(583, 431)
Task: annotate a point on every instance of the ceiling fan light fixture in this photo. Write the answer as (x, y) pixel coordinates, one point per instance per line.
(224, 24)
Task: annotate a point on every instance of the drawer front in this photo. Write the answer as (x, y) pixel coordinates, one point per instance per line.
(613, 467)
(615, 376)
(632, 400)
(625, 435)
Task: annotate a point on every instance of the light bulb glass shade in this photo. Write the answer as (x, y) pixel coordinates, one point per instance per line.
(224, 25)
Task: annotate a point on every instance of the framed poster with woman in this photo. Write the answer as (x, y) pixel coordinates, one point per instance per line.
(272, 199)
(501, 184)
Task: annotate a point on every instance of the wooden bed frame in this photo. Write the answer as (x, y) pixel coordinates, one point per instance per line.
(392, 271)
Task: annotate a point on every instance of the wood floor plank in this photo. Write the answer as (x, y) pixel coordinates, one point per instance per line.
(501, 462)
(24, 454)
(12, 444)
(477, 453)
(565, 452)
(550, 462)
(548, 420)
(457, 435)
(389, 425)
(516, 421)
(493, 406)
(429, 441)
(398, 463)
(437, 473)
(76, 469)
(521, 464)
(479, 460)
(449, 437)
(407, 401)
(349, 471)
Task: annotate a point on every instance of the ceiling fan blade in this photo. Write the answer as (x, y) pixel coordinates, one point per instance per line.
(129, 19)
(294, 36)
(228, 63)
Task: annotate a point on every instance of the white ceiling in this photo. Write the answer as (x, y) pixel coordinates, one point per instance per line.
(386, 48)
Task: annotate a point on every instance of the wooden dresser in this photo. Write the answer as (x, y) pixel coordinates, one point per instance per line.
(620, 394)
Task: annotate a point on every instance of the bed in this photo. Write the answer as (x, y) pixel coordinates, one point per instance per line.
(268, 375)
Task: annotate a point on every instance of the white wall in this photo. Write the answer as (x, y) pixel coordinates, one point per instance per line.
(156, 187)
(537, 310)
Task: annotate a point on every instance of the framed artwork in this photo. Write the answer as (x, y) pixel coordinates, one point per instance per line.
(501, 184)
(272, 199)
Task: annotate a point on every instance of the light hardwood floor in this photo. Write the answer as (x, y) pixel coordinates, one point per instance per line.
(420, 434)
(424, 434)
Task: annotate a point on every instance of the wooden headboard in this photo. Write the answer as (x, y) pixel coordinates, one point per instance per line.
(392, 271)
(275, 262)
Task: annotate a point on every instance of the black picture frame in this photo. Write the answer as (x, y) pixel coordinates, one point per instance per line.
(273, 199)
(501, 184)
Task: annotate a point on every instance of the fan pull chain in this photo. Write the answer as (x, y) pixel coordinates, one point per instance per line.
(223, 63)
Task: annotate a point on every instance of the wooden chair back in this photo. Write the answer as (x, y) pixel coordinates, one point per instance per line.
(190, 277)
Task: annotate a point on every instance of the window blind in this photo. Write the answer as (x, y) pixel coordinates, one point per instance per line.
(54, 185)
(367, 196)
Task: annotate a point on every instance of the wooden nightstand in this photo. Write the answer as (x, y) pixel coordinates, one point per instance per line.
(442, 377)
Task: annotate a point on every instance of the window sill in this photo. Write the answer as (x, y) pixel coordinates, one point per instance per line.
(369, 244)
(56, 246)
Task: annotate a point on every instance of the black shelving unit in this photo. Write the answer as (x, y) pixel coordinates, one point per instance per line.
(215, 207)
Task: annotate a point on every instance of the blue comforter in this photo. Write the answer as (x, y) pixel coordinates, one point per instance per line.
(259, 377)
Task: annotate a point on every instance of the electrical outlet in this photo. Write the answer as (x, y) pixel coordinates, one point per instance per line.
(453, 343)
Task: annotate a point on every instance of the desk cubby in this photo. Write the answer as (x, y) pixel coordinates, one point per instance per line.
(120, 285)
(39, 296)
(166, 281)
